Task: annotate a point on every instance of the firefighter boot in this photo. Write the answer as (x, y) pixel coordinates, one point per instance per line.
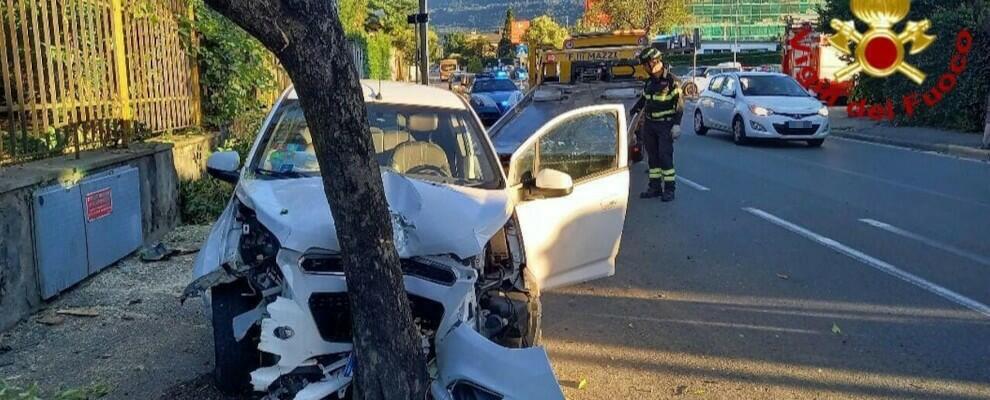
(654, 190)
(668, 192)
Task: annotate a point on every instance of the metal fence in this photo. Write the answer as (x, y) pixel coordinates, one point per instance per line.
(81, 74)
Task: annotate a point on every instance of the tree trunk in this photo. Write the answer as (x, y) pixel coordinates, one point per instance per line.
(308, 39)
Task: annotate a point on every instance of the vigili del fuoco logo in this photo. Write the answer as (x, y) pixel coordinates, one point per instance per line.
(882, 52)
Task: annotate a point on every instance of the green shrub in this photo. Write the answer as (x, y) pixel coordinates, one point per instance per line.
(202, 201)
(379, 56)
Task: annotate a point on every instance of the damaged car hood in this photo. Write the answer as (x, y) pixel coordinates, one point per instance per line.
(427, 218)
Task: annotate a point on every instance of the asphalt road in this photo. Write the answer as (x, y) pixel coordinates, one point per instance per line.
(850, 271)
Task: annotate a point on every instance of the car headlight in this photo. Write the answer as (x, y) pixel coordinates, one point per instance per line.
(823, 111)
(760, 110)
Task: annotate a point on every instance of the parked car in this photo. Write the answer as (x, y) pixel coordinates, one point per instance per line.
(492, 97)
(477, 244)
(761, 105)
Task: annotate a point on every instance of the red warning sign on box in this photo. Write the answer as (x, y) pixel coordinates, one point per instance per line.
(99, 204)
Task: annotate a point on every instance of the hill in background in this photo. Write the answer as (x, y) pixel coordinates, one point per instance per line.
(482, 16)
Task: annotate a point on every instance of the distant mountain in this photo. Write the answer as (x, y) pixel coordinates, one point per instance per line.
(475, 15)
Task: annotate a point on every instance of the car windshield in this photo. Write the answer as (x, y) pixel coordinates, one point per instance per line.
(493, 85)
(437, 144)
(770, 86)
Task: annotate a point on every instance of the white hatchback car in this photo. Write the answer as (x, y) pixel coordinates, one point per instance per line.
(477, 244)
(761, 105)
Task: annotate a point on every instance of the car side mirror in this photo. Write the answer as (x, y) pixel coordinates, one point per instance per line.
(552, 183)
(224, 165)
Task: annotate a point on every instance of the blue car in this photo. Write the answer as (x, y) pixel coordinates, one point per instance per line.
(491, 98)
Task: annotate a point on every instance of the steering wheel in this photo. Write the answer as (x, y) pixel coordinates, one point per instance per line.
(428, 170)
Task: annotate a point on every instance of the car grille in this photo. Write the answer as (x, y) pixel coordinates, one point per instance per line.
(796, 116)
(332, 313)
(436, 273)
(784, 130)
(331, 264)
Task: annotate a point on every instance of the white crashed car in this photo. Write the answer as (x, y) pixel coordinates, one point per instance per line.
(477, 244)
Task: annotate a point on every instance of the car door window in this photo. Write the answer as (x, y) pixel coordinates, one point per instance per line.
(716, 84)
(583, 147)
(729, 87)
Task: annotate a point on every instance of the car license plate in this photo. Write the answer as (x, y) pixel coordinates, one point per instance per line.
(799, 124)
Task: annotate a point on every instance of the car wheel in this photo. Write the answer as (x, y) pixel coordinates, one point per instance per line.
(816, 142)
(234, 360)
(699, 124)
(738, 131)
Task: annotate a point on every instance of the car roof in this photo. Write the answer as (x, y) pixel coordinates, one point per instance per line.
(751, 73)
(405, 93)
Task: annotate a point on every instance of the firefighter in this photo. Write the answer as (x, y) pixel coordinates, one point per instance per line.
(660, 124)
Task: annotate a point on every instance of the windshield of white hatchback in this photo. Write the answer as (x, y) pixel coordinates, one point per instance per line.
(436, 144)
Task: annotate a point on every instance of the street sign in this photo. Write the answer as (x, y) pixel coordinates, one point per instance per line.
(696, 38)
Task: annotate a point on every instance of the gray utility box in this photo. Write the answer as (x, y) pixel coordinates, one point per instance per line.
(83, 228)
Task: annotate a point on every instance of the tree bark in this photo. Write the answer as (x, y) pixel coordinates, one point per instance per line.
(308, 39)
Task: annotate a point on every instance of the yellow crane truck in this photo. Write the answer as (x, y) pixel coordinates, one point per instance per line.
(591, 69)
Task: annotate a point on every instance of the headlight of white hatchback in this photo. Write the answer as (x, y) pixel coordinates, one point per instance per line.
(823, 111)
(760, 110)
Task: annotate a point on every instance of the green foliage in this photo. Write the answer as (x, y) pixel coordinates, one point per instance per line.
(352, 15)
(454, 43)
(395, 26)
(544, 32)
(379, 54)
(505, 48)
(9, 391)
(202, 201)
(234, 67)
(964, 107)
(654, 16)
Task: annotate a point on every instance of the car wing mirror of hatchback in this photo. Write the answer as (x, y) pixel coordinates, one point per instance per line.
(550, 183)
(224, 165)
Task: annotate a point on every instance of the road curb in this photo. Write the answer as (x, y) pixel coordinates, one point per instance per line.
(951, 149)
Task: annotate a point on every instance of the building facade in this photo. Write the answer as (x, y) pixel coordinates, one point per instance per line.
(748, 20)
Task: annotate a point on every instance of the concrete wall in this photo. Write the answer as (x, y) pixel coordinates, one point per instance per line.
(159, 178)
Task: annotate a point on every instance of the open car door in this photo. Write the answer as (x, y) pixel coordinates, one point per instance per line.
(571, 179)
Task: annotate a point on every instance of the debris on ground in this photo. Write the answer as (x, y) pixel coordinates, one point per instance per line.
(835, 329)
(161, 252)
(583, 384)
(50, 319)
(783, 276)
(679, 390)
(79, 312)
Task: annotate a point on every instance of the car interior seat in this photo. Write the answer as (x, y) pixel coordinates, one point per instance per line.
(415, 156)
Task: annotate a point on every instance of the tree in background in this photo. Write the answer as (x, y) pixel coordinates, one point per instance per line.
(544, 32)
(505, 43)
(352, 15)
(309, 40)
(654, 16)
(454, 43)
(965, 107)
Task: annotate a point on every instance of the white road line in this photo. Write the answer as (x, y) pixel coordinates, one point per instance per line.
(931, 242)
(902, 148)
(693, 184)
(879, 265)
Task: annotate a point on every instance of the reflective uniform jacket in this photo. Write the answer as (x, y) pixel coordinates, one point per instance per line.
(661, 99)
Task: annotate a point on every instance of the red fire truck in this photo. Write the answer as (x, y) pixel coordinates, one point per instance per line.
(813, 61)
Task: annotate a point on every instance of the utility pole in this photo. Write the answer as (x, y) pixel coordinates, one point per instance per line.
(424, 44)
(735, 47)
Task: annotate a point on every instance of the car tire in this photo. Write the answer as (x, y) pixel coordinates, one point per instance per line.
(699, 124)
(739, 131)
(816, 142)
(233, 360)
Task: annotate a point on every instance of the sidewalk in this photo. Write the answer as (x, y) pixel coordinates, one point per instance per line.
(966, 145)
